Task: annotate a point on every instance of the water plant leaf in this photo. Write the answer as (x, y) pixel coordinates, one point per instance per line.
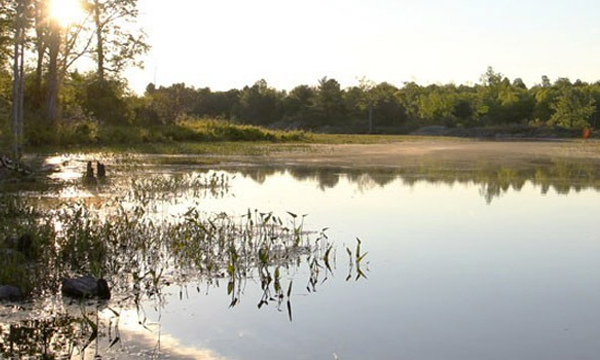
(115, 341)
(289, 308)
(230, 269)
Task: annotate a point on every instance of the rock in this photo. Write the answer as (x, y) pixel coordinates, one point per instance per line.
(86, 287)
(49, 168)
(10, 293)
(10, 168)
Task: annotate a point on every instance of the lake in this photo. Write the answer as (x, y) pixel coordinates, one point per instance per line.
(474, 263)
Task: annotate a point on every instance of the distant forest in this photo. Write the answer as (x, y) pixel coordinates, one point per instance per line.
(326, 107)
(383, 107)
(43, 94)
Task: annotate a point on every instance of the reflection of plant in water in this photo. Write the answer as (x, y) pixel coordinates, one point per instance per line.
(167, 187)
(139, 255)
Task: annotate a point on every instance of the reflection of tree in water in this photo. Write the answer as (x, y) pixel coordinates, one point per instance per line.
(74, 331)
(560, 175)
(41, 338)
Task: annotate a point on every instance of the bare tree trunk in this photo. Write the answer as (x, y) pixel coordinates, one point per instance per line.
(99, 41)
(40, 47)
(14, 116)
(51, 109)
(21, 120)
(18, 74)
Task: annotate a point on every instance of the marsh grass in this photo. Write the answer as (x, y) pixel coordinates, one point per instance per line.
(124, 241)
(141, 253)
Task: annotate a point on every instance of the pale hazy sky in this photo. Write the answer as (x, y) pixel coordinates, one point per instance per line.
(227, 44)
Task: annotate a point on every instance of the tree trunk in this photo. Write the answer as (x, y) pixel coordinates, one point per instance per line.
(18, 74)
(40, 47)
(21, 119)
(51, 109)
(99, 41)
(14, 115)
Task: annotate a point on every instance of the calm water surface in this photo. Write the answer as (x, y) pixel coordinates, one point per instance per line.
(451, 276)
(455, 270)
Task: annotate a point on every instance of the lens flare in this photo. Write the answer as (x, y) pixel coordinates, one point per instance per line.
(66, 12)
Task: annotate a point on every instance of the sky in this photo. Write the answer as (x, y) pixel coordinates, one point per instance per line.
(232, 43)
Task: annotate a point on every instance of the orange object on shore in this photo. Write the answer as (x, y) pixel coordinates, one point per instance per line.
(586, 133)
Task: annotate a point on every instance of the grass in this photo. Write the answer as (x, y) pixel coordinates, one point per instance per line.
(187, 135)
(133, 246)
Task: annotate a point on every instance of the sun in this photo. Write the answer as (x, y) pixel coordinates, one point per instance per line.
(66, 12)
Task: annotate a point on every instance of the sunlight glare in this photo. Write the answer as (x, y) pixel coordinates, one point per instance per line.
(66, 12)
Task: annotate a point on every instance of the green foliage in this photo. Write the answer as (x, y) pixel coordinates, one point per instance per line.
(573, 109)
(259, 104)
(104, 100)
(329, 103)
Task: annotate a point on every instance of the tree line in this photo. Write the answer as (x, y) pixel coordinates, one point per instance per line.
(383, 107)
(41, 86)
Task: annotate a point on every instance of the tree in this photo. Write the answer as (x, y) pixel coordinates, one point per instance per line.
(6, 24)
(329, 103)
(299, 105)
(118, 43)
(20, 28)
(369, 98)
(259, 104)
(64, 45)
(573, 109)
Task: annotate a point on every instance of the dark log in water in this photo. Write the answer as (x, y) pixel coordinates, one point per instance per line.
(89, 172)
(101, 169)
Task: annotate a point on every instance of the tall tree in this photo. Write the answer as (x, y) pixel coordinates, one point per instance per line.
(369, 98)
(20, 27)
(64, 45)
(40, 18)
(6, 24)
(329, 102)
(117, 40)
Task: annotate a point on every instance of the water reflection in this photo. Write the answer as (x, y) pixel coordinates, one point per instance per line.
(91, 331)
(142, 255)
(189, 279)
(559, 175)
(172, 175)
